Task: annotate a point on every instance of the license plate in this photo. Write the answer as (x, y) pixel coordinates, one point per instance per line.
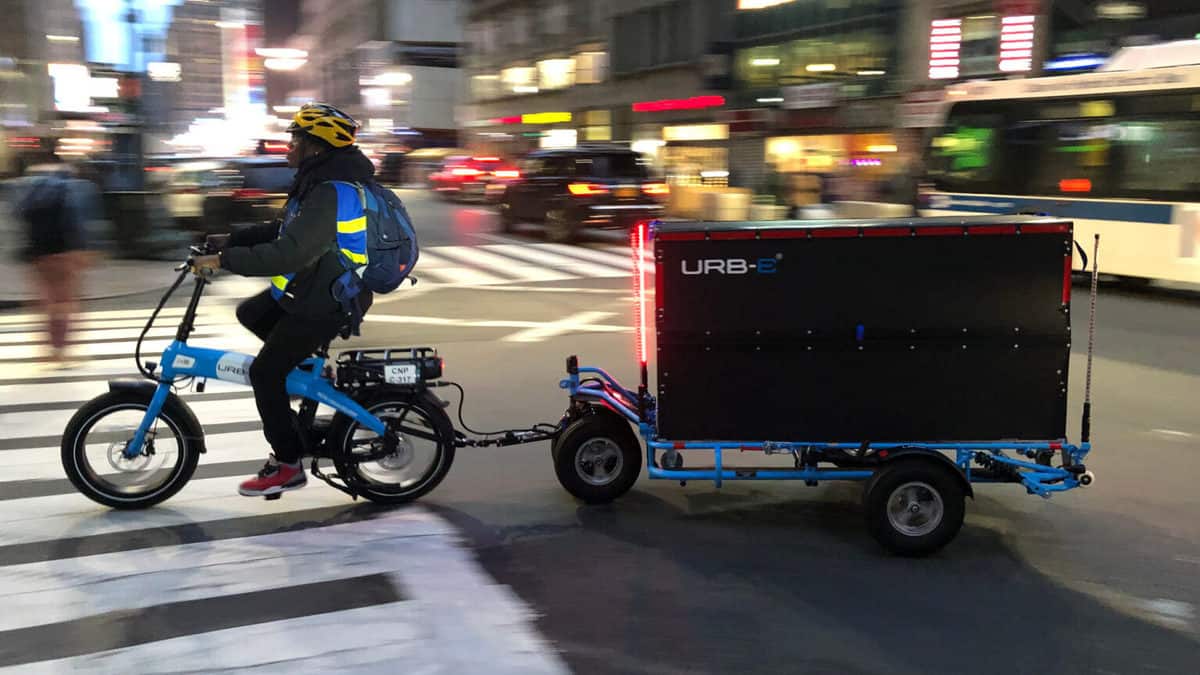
(404, 373)
(626, 193)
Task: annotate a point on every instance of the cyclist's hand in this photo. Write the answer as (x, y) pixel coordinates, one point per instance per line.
(206, 265)
(216, 242)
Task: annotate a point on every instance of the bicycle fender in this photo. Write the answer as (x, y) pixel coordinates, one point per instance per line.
(174, 405)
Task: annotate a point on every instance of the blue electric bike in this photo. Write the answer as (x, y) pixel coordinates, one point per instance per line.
(389, 438)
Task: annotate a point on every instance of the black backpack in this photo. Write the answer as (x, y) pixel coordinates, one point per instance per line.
(44, 210)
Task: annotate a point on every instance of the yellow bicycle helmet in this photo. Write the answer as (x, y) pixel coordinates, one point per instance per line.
(326, 123)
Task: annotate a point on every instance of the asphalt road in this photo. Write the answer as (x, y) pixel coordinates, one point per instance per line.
(771, 578)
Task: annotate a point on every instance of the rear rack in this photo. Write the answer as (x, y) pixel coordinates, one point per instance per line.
(369, 367)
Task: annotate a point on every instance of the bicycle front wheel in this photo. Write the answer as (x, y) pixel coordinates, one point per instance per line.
(93, 451)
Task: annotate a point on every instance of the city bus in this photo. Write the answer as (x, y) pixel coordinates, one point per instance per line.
(1117, 152)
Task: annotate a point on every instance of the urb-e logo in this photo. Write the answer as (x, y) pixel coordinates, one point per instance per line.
(731, 266)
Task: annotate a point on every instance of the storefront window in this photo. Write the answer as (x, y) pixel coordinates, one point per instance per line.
(484, 87)
(591, 67)
(519, 80)
(556, 73)
(849, 55)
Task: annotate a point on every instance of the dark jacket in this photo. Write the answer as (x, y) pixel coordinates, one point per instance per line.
(308, 245)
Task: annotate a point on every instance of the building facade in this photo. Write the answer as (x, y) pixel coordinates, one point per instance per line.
(194, 42)
(394, 64)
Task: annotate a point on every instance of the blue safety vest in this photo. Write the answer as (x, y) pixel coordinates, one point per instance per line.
(351, 231)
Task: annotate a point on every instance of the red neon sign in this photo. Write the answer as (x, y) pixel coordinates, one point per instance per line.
(693, 103)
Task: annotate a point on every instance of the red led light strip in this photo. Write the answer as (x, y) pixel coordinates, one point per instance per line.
(638, 244)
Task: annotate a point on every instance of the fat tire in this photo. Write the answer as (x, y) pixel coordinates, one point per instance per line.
(568, 444)
(182, 425)
(340, 436)
(938, 477)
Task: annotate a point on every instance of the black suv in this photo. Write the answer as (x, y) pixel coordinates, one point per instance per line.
(572, 188)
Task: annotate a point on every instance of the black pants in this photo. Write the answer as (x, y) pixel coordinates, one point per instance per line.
(287, 340)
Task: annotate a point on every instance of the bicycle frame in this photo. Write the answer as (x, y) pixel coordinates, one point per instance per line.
(180, 360)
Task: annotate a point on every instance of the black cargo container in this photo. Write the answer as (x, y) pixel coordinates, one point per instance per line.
(880, 331)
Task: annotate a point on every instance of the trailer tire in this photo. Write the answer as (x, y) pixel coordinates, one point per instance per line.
(597, 459)
(914, 507)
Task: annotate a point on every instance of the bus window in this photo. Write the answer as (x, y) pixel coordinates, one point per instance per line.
(1073, 158)
(1160, 156)
(964, 154)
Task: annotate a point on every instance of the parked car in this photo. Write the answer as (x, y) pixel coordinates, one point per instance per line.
(211, 197)
(569, 189)
(474, 178)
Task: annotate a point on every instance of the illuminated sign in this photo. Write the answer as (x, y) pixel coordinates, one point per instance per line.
(945, 44)
(546, 118)
(761, 4)
(1016, 43)
(693, 103)
(696, 132)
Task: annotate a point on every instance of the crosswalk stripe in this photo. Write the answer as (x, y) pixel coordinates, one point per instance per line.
(45, 463)
(444, 610)
(610, 257)
(19, 352)
(510, 266)
(17, 425)
(577, 266)
(82, 335)
(373, 639)
(34, 593)
(201, 501)
(448, 272)
(85, 390)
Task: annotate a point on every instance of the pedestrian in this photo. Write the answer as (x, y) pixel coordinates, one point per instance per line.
(55, 208)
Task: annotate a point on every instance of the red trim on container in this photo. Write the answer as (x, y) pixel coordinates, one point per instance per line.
(992, 229)
(784, 234)
(834, 233)
(939, 231)
(678, 445)
(887, 232)
(1056, 446)
(1045, 228)
(731, 235)
(680, 236)
(750, 448)
(1066, 289)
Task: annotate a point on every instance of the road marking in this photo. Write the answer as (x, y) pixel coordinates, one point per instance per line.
(532, 327)
(604, 257)
(447, 272)
(483, 257)
(1187, 559)
(580, 322)
(1172, 432)
(577, 266)
(446, 613)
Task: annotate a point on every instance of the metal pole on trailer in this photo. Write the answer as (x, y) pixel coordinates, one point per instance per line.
(1086, 433)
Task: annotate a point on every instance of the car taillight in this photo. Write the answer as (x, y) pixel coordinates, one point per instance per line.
(248, 193)
(657, 189)
(465, 173)
(505, 173)
(587, 189)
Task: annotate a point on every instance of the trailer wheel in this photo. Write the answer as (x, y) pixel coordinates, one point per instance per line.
(914, 507)
(597, 459)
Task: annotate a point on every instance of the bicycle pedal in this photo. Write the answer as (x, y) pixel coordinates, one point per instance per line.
(273, 497)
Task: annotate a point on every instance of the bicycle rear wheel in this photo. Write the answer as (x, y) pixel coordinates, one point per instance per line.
(420, 460)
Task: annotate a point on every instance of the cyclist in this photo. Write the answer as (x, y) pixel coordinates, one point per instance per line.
(303, 252)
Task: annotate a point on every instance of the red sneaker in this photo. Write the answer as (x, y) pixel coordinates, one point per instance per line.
(273, 479)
